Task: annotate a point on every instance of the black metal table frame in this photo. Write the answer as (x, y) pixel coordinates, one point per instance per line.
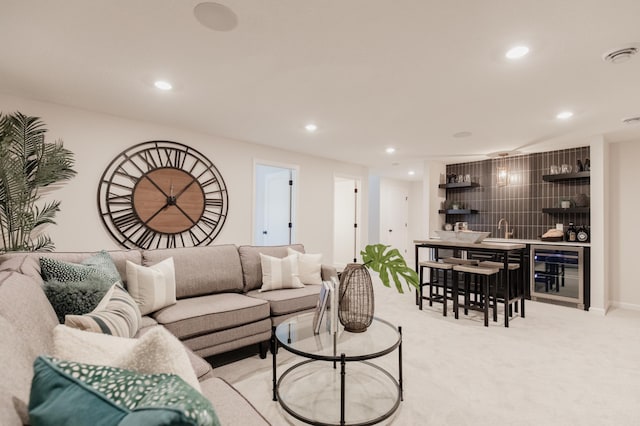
(343, 359)
(504, 253)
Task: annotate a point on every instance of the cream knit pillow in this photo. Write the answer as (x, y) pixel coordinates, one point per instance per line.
(156, 351)
(309, 266)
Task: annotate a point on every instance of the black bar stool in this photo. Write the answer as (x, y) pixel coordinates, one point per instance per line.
(516, 288)
(486, 277)
(434, 269)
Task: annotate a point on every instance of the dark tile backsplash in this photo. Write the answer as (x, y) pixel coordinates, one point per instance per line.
(521, 201)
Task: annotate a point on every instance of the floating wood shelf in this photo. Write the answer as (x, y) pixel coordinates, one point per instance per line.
(458, 185)
(575, 210)
(458, 211)
(567, 176)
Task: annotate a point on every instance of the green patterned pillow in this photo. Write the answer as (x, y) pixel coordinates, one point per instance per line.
(99, 265)
(76, 288)
(65, 392)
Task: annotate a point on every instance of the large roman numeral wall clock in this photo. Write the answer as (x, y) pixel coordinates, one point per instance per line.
(162, 194)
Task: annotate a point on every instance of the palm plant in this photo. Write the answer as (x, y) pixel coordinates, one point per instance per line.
(389, 263)
(28, 166)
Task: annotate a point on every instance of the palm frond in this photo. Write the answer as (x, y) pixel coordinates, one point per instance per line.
(27, 164)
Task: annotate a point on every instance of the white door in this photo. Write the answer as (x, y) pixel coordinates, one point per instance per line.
(394, 214)
(274, 205)
(346, 221)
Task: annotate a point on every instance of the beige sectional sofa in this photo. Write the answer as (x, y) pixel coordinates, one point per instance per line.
(218, 309)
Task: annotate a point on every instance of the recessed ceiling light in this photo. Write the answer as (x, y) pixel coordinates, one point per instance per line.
(311, 128)
(390, 150)
(215, 16)
(163, 85)
(411, 173)
(631, 120)
(564, 115)
(619, 56)
(517, 52)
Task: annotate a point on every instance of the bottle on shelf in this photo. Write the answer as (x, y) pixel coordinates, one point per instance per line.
(582, 234)
(572, 234)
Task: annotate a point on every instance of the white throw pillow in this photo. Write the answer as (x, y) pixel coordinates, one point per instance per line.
(157, 351)
(279, 273)
(309, 266)
(152, 287)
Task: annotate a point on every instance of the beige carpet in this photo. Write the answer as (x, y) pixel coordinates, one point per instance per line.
(557, 366)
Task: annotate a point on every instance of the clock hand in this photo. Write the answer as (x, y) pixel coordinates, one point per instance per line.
(185, 188)
(167, 204)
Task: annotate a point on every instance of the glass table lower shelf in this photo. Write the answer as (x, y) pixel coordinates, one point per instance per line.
(337, 384)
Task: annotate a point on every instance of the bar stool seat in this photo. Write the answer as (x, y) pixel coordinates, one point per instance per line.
(459, 261)
(485, 275)
(499, 265)
(433, 282)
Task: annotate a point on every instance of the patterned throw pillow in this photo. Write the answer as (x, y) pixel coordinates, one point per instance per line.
(279, 273)
(100, 266)
(66, 392)
(77, 288)
(309, 266)
(152, 287)
(116, 314)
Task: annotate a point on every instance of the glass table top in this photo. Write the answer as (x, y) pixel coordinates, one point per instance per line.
(296, 334)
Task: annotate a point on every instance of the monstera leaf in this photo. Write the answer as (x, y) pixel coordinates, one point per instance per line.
(389, 263)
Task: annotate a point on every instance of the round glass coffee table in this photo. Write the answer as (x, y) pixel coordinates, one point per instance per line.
(336, 383)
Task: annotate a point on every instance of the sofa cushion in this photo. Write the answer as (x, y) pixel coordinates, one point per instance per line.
(231, 407)
(117, 314)
(32, 269)
(157, 351)
(207, 314)
(75, 297)
(286, 301)
(201, 270)
(66, 392)
(16, 371)
(279, 273)
(23, 302)
(152, 287)
(251, 267)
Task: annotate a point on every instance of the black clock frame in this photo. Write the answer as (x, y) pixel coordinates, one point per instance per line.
(120, 178)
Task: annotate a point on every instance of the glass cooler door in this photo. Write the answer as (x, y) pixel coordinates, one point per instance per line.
(557, 274)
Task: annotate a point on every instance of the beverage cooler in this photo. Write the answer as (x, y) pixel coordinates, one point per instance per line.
(560, 274)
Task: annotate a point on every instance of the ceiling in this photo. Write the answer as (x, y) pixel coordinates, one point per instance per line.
(369, 73)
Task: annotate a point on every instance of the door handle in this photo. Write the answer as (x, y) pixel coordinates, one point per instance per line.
(264, 232)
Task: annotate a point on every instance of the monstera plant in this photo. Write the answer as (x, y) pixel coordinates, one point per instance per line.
(390, 265)
(29, 167)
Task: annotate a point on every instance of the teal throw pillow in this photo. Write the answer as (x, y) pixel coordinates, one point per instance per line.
(65, 393)
(77, 288)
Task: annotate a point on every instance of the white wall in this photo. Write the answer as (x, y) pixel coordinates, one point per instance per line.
(624, 288)
(96, 139)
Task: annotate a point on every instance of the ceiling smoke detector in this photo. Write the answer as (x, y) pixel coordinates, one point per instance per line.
(631, 120)
(619, 56)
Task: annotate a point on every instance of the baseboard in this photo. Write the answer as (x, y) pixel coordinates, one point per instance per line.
(598, 311)
(623, 305)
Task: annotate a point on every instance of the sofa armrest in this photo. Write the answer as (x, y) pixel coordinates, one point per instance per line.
(327, 272)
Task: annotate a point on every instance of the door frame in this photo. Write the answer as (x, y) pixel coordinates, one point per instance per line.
(296, 170)
(359, 237)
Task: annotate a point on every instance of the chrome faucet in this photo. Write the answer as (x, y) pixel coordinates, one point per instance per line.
(507, 234)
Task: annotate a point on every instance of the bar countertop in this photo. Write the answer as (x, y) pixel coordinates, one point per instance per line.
(492, 245)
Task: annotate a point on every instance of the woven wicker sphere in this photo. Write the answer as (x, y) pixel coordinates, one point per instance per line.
(356, 298)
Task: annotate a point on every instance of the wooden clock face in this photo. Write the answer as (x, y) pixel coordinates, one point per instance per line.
(162, 194)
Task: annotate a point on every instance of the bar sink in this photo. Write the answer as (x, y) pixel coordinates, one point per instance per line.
(463, 236)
